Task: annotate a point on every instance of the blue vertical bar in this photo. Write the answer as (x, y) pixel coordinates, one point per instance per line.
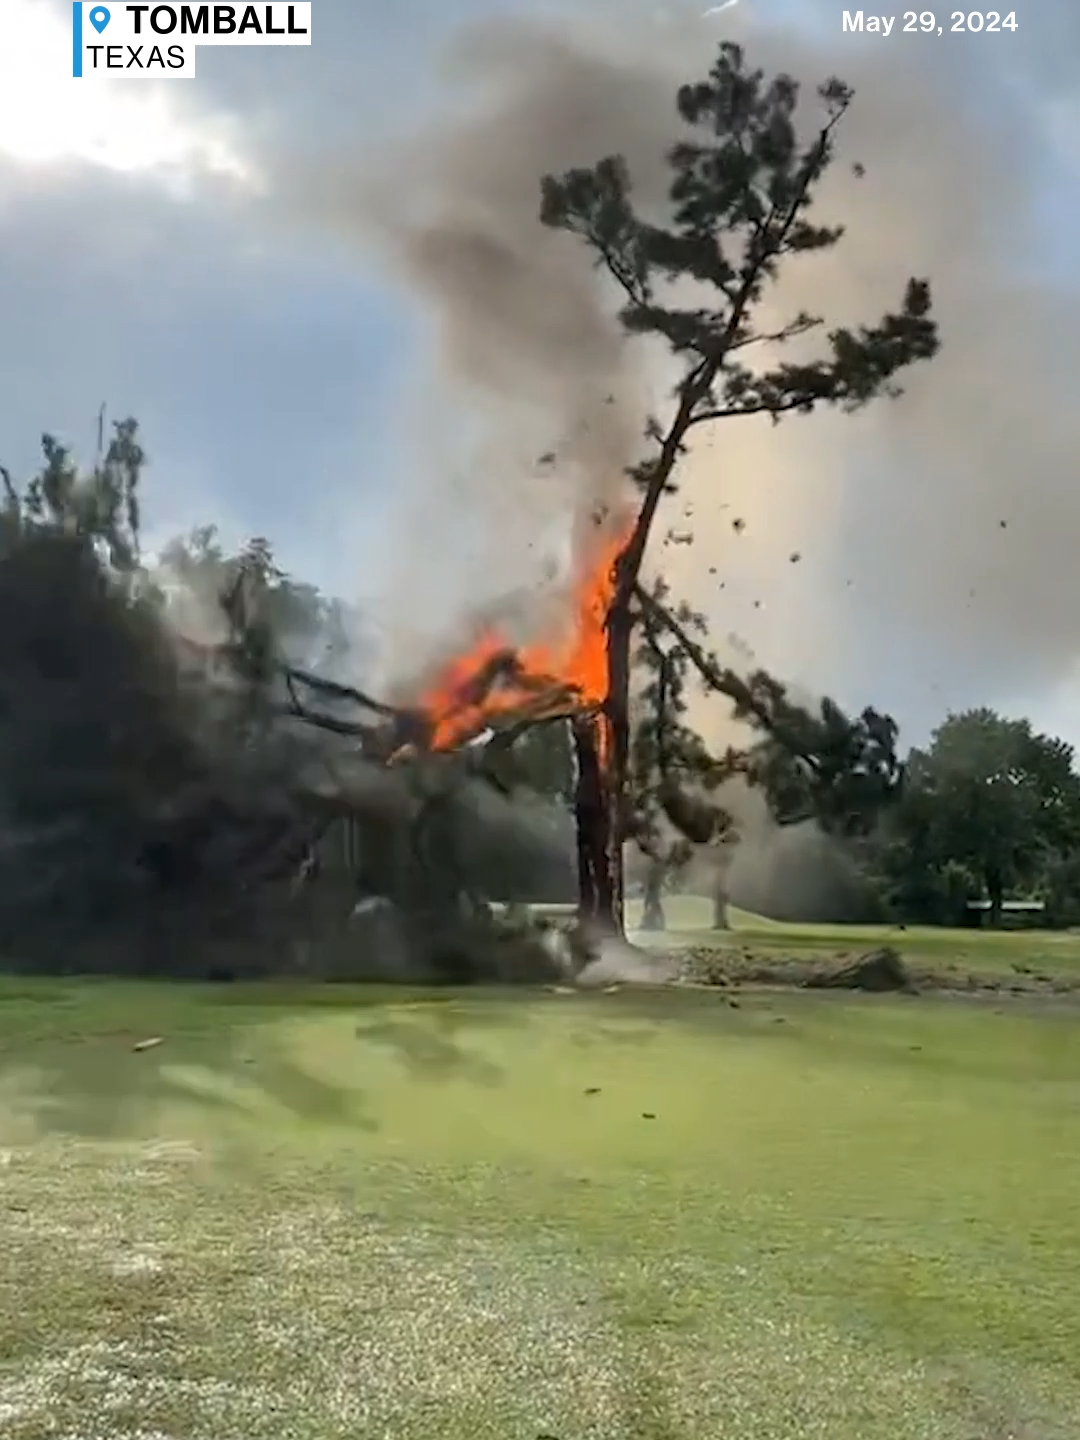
(76, 39)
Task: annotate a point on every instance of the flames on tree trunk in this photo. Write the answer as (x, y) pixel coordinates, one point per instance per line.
(601, 743)
(585, 675)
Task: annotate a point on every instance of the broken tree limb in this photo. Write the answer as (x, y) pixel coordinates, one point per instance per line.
(815, 763)
(335, 690)
(723, 680)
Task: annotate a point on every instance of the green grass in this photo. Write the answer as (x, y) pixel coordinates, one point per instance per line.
(338, 1215)
(689, 917)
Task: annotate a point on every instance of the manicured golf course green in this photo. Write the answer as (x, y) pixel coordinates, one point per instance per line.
(339, 1214)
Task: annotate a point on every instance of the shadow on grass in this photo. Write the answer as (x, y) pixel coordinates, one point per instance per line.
(75, 1057)
(106, 1078)
(71, 1057)
(432, 1038)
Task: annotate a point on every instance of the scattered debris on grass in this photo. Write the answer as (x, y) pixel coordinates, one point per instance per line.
(879, 971)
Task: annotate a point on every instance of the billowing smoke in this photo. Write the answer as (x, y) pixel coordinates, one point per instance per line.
(531, 410)
(787, 872)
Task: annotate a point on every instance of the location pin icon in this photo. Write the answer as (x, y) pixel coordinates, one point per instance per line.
(99, 18)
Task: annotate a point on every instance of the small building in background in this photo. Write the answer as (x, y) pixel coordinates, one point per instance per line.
(1015, 914)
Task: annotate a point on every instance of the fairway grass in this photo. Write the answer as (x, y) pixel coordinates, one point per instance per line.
(343, 1214)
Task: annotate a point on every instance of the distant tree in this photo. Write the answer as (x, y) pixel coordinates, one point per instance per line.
(1059, 888)
(250, 590)
(671, 776)
(544, 760)
(99, 509)
(989, 799)
(741, 188)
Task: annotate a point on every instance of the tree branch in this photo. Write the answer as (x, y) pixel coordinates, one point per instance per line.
(762, 407)
(724, 681)
(769, 239)
(802, 326)
(336, 691)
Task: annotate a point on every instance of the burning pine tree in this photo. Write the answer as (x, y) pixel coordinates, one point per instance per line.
(740, 190)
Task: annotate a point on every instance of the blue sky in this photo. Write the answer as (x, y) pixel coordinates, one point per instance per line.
(270, 364)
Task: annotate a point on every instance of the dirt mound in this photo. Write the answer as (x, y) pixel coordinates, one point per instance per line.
(881, 971)
(878, 971)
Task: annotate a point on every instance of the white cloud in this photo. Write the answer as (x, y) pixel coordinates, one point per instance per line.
(48, 118)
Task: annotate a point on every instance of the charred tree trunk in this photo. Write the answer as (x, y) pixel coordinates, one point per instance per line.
(599, 901)
(601, 746)
(653, 914)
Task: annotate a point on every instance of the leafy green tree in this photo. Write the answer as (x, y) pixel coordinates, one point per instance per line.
(741, 189)
(989, 799)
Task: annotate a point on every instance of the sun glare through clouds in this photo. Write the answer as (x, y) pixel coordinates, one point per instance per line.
(49, 118)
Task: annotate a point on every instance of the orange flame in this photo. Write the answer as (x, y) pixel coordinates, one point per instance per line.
(494, 678)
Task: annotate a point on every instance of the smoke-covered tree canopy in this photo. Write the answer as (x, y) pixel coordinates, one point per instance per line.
(168, 775)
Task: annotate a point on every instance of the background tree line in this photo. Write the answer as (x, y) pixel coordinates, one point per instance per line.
(987, 811)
